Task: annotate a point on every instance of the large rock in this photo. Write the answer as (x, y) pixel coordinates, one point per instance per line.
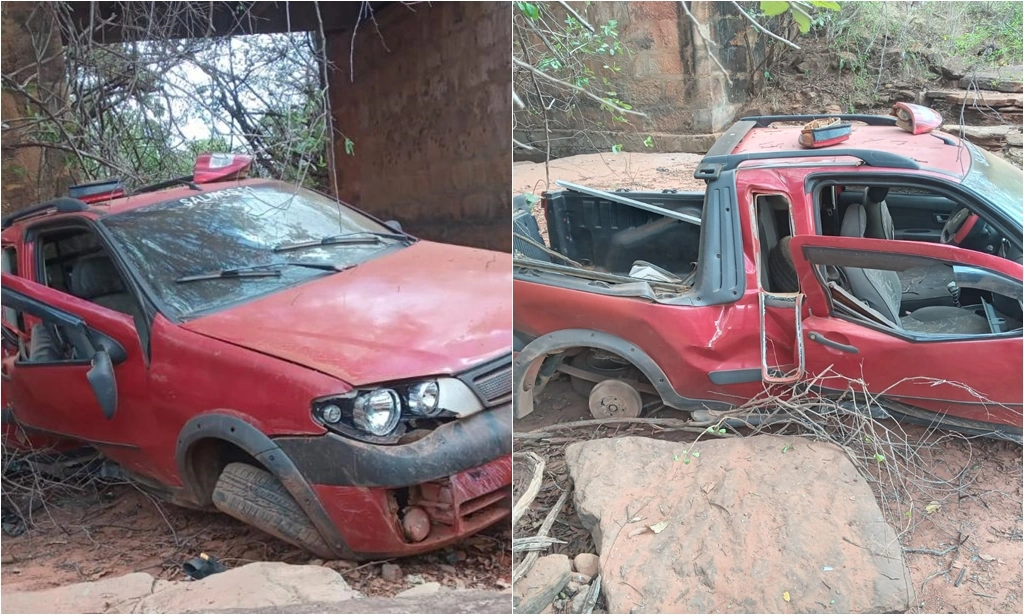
(118, 594)
(254, 586)
(1003, 79)
(762, 524)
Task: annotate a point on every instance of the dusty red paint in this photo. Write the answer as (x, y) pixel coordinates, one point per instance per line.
(371, 522)
(420, 311)
(927, 149)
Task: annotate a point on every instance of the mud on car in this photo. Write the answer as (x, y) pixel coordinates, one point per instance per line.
(889, 256)
(247, 346)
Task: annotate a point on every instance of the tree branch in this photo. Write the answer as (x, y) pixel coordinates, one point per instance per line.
(762, 28)
(707, 41)
(566, 84)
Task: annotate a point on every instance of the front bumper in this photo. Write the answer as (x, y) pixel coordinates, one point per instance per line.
(460, 476)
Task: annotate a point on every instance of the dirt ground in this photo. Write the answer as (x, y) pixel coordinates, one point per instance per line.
(118, 529)
(979, 507)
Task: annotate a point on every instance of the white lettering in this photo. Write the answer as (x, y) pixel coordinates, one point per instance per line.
(216, 195)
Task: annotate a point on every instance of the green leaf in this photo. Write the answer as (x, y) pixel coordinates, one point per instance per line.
(771, 8)
(721, 430)
(879, 458)
(529, 9)
(787, 448)
(616, 148)
(696, 454)
(649, 142)
(350, 147)
(803, 20)
(824, 4)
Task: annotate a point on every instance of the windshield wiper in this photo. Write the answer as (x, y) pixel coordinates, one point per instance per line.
(359, 238)
(265, 270)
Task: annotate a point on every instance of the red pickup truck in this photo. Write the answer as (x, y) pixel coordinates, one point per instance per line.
(247, 346)
(890, 258)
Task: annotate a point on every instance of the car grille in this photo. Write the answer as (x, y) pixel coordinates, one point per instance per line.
(491, 382)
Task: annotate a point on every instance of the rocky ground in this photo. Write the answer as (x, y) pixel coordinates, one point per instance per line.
(962, 536)
(100, 532)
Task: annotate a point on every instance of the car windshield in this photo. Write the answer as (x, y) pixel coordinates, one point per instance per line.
(997, 180)
(239, 227)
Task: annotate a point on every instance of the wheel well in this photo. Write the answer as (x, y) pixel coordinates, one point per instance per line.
(206, 460)
(531, 359)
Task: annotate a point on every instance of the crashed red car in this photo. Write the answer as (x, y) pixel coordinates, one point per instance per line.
(878, 256)
(247, 346)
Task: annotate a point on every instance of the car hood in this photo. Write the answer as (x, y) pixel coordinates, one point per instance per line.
(428, 309)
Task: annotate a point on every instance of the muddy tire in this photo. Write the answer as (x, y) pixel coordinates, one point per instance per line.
(256, 497)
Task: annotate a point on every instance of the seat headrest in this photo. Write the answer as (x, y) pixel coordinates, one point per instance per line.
(876, 194)
(855, 221)
(95, 276)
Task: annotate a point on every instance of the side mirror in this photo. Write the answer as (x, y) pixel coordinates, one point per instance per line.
(104, 386)
(395, 225)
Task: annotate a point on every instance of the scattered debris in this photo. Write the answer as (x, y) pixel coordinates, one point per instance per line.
(202, 566)
(587, 564)
(541, 584)
(422, 590)
(391, 573)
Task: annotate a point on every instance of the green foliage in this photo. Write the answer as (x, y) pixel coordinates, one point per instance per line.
(558, 44)
(799, 11)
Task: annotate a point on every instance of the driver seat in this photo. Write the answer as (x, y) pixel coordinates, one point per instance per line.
(920, 286)
(881, 290)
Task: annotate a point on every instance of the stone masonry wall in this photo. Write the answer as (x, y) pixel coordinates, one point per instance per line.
(667, 74)
(429, 115)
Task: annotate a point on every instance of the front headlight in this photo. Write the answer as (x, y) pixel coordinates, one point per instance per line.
(377, 412)
(383, 415)
(422, 399)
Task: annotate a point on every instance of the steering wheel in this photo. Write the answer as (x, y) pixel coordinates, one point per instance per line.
(958, 227)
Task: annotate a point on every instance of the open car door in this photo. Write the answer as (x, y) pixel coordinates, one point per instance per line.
(967, 381)
(80, 368)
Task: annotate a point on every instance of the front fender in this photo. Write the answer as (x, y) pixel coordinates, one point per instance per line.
(222, 426)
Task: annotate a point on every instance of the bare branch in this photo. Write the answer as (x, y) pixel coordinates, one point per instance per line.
(569, 9)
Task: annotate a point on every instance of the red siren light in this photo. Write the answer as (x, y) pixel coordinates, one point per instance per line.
(916, 119)
(221, 168)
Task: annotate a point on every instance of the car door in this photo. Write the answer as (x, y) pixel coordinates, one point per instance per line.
(968, 380)
(89, 383)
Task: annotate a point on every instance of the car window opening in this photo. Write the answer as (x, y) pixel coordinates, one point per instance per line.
(76, 263)
(776, 272)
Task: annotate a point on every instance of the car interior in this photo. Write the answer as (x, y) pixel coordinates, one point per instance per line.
(77, 263)
(921, 299)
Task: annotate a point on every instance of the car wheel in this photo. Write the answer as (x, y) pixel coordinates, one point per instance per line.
(257, 498)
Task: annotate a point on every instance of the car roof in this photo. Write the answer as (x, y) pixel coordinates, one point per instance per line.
(134, 202)
(936, 150)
